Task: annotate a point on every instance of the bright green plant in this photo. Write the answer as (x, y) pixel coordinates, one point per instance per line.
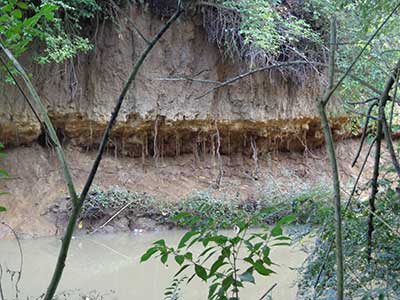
(264, 24)
(226, 262)
(19, 23)
(56, 23)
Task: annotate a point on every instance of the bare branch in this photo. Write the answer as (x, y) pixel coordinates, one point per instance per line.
(364, 133)
(362, 102)
(241, 76)
(187, 79)
(269, 290)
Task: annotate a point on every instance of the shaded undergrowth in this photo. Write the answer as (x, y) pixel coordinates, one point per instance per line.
(126, 210)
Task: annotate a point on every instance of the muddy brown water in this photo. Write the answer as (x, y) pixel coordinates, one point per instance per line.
(109, 265)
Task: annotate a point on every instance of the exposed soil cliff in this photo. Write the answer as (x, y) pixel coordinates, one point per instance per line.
(80, 96)
(161, 120)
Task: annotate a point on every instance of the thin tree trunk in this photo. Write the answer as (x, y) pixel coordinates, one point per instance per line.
(374, 188)
(382, 116)
(330, 147)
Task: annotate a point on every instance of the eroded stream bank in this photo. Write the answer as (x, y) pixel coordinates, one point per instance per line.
(37, 182)
(108, 265)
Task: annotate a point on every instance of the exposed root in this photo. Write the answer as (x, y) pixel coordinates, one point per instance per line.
(256, 172)
(144, 149)
(204, 148)
(196, 152)
(156, 153)
(219, 160)
(162, 142)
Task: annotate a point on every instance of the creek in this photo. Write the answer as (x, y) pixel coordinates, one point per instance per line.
(107, 266)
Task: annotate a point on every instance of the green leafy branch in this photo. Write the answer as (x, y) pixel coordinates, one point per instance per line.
(226, 262)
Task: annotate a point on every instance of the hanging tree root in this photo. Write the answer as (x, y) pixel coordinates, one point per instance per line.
(256, 171)
(195, 151)
(213, 151)
(203, 148)
(156, 154)
(219, 160)
(144, 150)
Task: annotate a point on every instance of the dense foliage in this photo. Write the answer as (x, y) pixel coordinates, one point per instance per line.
(264, 33)
(65, 28)
(365, 279)
(21, 23)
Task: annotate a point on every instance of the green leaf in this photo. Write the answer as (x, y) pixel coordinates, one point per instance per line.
(266, 252)
(216, 265)
(267, 210)
(226, 251)
(283, 238)
(200, 272)
(149, 253)
(249, 260)
(212, 289)
(218, 239)
(186, 237)
(22, 5)
(235, 240)
(17, 14)
(287, 220)
(181, 270)
(227, 282)
(281, 244)
(160, 243)
(206, 251)
(209, 256)
(180, 216)
(164, 258)
(4, 173)
(189, 256)
(276, 231)
(2, 209)
(261, 269)
(179, 259)
(247, 276)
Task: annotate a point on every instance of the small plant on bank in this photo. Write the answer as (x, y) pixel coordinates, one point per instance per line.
(226, 262)
(309, 205)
